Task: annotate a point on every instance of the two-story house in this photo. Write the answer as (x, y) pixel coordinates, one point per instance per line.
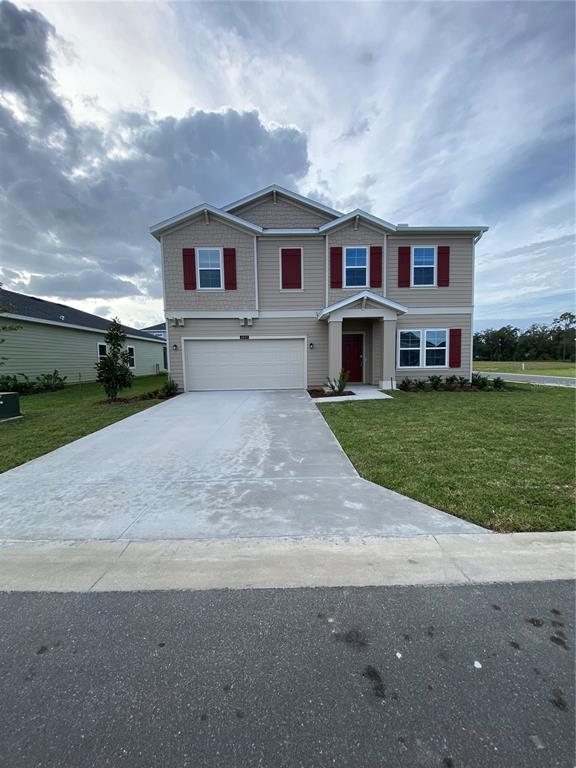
(276, 291)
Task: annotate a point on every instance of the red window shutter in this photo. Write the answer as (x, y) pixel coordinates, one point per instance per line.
(336, 267)
(291, 259)
(189, 265)
(455, 351)
(376, 266)
(443, 266)
(230, 269)
(404, 266)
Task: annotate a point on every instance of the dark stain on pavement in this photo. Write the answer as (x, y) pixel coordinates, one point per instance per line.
(448, 762)
(496, 607)
(535, 622)
(557, 623)
(558, 640)
(161, 645)
(443, 654)
(556, 612)
(515, 645)
(372, 674)
(43, 649)
(239, 714)
(430, 631)
(226, 688)
(559, 701)
(354, 638)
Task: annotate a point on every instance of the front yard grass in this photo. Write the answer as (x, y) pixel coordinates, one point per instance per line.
(503, 460)
(537, 367)
(53, 419)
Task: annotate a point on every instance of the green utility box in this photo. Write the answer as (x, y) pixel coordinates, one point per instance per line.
(9, 405)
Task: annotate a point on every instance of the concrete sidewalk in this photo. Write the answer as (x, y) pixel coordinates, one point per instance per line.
(122, 565)
(529, 378)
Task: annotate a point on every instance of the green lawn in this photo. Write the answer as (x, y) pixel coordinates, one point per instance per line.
(539, 367)
(503, 460)
(56, 418)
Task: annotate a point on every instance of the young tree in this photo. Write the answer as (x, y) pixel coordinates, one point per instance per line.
(564, 326)
(5, 327)
(113, 371)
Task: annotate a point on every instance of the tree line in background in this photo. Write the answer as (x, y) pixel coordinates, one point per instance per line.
(538, 342)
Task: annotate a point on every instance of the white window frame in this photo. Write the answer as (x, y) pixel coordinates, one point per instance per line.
(434, 284)
(422, 349)
(344, 277)
(101, 344)
(201, 269)
(292, 248)
(128, 348)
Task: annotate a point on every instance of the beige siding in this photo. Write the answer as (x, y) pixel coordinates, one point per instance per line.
(314, 271)
(282, 213)
(348, 236)
(439, 321)
(460, 291)
(219, 235)
(37, 348)
(316, 332)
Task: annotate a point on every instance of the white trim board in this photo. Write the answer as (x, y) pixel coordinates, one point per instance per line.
(254, 314)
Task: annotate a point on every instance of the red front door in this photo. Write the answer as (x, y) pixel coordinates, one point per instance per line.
(352, 355)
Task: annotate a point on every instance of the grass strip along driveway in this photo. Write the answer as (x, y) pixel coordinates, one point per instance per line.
(503, 460)
(537, 367)
(53, 419)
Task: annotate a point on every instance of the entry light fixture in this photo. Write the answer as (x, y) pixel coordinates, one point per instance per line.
(311, 345)
(174, 347)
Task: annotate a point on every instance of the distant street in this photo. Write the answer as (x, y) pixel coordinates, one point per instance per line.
(474, 676)
(530, 378)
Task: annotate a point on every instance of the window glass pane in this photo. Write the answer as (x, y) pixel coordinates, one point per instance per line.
(435, 338)
(101, 350)
(435, 357)
(208, 258)
(423, 275)
(210, 278)
(409, 357)
(423, 257)
(356, 257)
(355, 276)
(131, 357)
(410, 339)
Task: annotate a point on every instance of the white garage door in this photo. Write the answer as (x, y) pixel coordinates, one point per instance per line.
(245, 364)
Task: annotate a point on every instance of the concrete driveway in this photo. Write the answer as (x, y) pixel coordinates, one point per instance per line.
(208, 465)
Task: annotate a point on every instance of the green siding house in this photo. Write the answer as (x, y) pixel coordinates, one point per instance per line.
(53, 336)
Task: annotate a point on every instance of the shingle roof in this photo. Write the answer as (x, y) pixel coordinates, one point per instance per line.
(158, 327)
(40, 309)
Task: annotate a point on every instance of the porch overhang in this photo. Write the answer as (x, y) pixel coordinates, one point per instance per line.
(365, 304)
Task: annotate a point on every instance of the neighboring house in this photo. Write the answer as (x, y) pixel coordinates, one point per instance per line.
(278, 291)
(158, 330)
(53, 336)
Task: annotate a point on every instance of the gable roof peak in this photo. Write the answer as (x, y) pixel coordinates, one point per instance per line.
(276, 188)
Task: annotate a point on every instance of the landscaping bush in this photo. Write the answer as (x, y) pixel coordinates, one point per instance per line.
(338, 385)
(480, 382)
(50, 382)
(435, 381)
(498, 384)
(422, 385)
(13, 384)
(113, 368)
(463, 381)
(406, 384)
(452, 382)
(170, 388)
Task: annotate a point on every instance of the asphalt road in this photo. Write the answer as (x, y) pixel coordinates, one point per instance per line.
(528, 378)
(375, 676)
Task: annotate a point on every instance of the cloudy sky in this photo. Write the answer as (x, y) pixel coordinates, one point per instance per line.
(114, 116)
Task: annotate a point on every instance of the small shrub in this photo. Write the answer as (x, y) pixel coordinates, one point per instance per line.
(451, 383)
(14, 384)
(423, 385)
(463, 381)
(170, 388)
(406, 384)
(338, 385)
(435, 381)
(50, 382)
(498, 384)
(479, 382)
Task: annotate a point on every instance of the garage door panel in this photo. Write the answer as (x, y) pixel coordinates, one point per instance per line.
(245, 364)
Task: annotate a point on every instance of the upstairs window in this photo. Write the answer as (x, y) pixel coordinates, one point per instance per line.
(423, 265)
(356, 267)
(131, 357)
(210, 268)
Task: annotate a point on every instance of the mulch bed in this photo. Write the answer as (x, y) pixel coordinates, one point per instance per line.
(157, 394)
(322, 393)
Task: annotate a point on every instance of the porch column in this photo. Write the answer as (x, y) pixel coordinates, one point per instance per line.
(334, 348)
(388, 373)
